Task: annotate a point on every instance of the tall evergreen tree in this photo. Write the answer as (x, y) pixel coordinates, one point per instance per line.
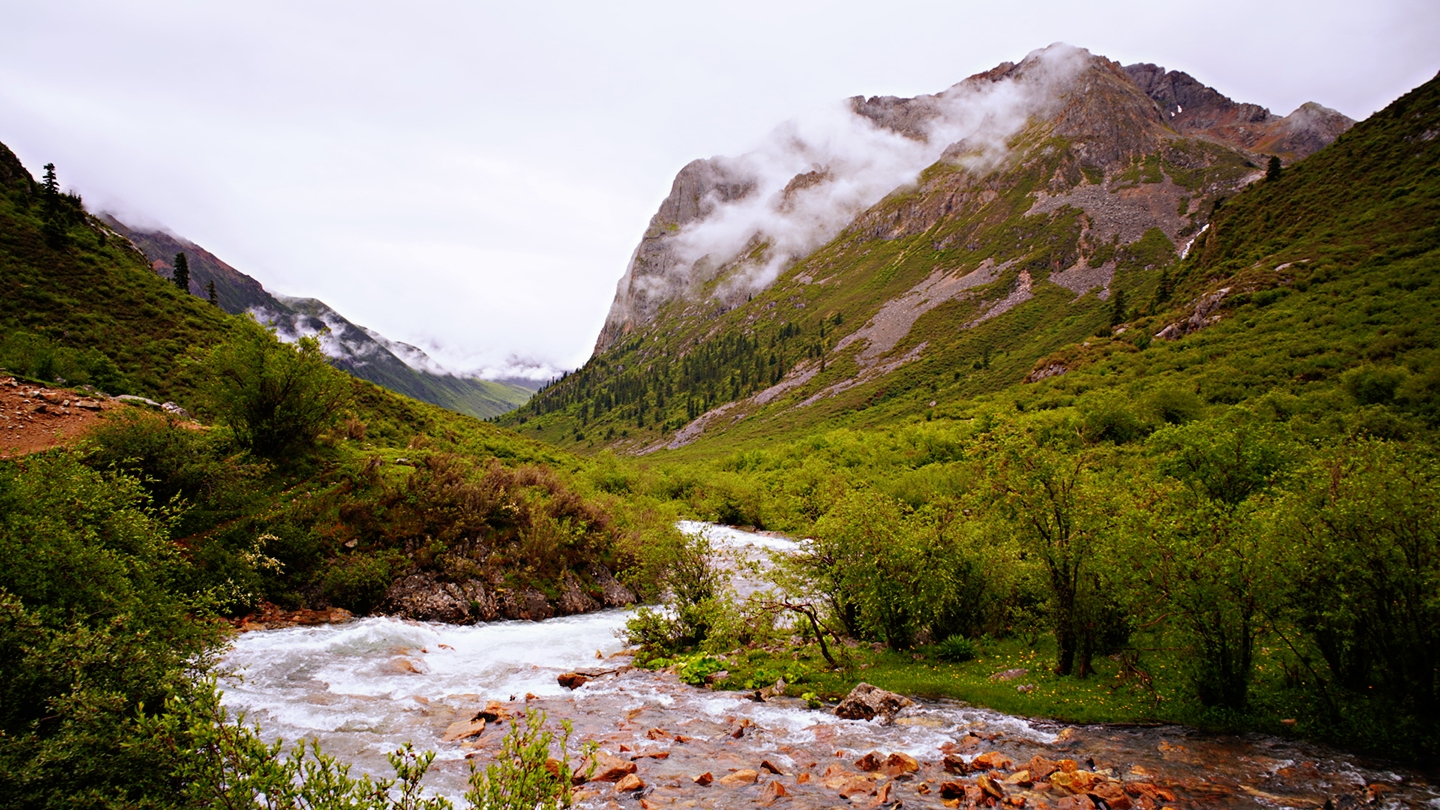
(55, 229)
(1272, 170)
(210, 292)
(1117, 309)
(181, 277)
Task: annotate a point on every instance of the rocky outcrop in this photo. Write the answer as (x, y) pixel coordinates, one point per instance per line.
(425, 598)
(1192, 108)
(656, 273)
(1204, 314)
(613, 594)
(573, 598)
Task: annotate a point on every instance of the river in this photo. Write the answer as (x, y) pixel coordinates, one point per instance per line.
(363, 687)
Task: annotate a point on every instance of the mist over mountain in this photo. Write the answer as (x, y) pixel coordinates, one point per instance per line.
(998, 217)
(730, 226)
(361, 351)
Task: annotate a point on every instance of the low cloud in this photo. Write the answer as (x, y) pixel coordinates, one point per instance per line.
(811, 177)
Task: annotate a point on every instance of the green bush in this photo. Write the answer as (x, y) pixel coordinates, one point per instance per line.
(276, 397)
(955, 650)
(357, 582)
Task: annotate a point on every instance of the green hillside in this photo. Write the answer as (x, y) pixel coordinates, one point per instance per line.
(949, 289)
(1231, 526)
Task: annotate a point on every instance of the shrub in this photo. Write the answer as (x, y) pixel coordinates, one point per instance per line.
(276, 397)
(955, 650)
(357, 582)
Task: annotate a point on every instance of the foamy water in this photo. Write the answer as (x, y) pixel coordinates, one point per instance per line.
(365, 687)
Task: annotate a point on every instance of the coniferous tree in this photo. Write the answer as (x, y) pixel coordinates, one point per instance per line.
(55, 229)
(1272, 171)
(181, 276)
(1117, 309)
(210, 292)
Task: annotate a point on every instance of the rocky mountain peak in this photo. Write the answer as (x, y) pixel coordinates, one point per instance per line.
(731, 226)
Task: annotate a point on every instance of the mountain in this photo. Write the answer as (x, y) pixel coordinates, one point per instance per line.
(946, 242)
(363, 352)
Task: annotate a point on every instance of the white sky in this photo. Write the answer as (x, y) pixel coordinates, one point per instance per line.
(472, 177)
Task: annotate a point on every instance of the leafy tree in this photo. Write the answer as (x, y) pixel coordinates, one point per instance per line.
(1061, 513)
(276, 397)
(1206, 554)
(1366, 571)
(181, 276)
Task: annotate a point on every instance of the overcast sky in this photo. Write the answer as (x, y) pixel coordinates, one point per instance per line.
(472, 176)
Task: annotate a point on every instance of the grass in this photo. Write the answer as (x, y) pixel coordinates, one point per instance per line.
(1114, 694)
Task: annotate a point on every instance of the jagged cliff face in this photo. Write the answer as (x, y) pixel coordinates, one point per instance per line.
(731, 226)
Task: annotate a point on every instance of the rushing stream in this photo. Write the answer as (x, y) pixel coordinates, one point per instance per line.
(363, 687)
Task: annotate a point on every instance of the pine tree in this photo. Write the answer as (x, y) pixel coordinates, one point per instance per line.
(1117, 309)
(1272, 171)
(181, 276)
(55, 230)
(210, 292)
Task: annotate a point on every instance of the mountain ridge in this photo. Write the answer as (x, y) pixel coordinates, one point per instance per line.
(356, 349)
(662, 268)
(1005, 248)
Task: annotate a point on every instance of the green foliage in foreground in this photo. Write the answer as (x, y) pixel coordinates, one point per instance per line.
(1272, 578)
(104, 697)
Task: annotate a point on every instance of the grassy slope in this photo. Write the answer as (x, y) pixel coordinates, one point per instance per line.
(854, 275)
(99, 293)
(1358, 225)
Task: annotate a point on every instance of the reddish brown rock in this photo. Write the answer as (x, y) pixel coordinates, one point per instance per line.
(988, 785)
(572, 680)
(990, 761)
(767, 765)
(629, 783)
(900, 764)
(773, 790)
(611, 769)
(494, 712)
(1081, 802)
(741, 777)
(463, 729)
(871, 761)
(704, 779)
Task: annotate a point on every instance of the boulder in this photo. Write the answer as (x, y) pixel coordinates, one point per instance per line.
(572, 680)
(866, 702)
(463, 729)
(1010, 675)
(629, 783)
(741, 777)
(704, 779)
